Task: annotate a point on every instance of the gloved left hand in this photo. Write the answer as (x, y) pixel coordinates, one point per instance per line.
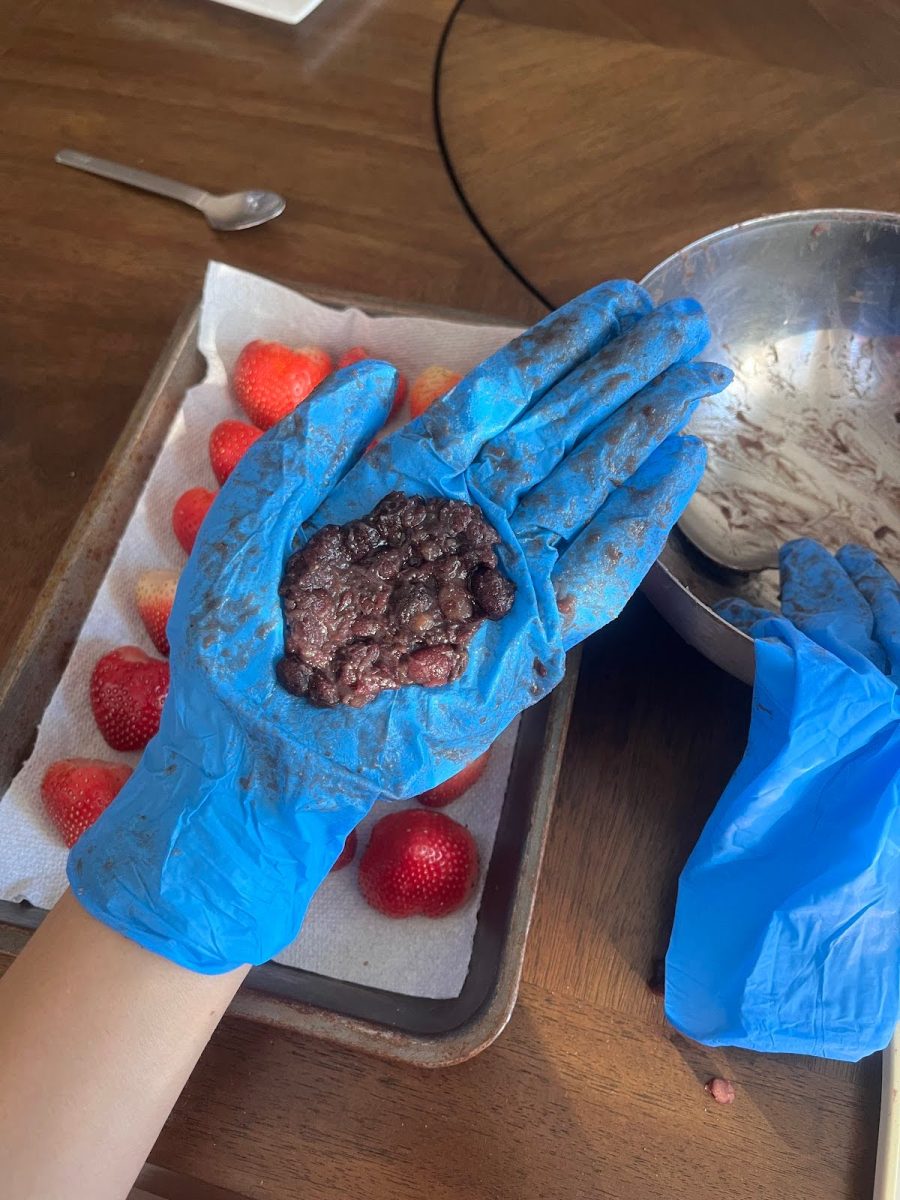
(567, 438)
(787, 933)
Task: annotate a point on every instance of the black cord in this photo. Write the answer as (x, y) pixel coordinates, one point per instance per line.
(451, 171)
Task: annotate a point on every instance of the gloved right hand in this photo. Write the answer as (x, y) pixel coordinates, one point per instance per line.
(787, 933)
(569, 441)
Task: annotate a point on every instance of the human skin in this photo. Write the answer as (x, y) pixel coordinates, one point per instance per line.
(97, 1039)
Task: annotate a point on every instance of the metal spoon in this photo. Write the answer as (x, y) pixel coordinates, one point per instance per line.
(239, 210)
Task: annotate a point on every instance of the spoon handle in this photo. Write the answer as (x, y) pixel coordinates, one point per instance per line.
(132, 176)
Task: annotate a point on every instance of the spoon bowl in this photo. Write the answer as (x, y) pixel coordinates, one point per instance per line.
(241, 210)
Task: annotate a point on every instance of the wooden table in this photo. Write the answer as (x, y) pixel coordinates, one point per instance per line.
(593, 139)
(588, 1093)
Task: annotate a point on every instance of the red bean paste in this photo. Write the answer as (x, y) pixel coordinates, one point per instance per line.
(389, 600)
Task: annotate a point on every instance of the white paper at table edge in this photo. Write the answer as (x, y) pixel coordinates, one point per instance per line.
(285, 11)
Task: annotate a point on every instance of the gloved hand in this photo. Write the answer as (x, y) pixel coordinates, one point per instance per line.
(240, 805)
(786, 934)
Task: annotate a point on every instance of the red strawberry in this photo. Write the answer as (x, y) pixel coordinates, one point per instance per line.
(433, 383)
(452, 788)
(348, 853)
(358, 354)
(418, 863)
(399, 396)
(227, 444)
(270, 380)
(128, 690)
(321, 362)
(354, 355)
(75, 792)
(154, 595)
(188, 513)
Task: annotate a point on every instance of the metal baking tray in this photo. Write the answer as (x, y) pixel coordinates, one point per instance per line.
(429, 1033)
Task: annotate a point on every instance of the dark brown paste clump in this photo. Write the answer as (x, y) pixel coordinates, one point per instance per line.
(391, 599)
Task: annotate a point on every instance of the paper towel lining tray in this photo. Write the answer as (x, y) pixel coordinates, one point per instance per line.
(429, 1033)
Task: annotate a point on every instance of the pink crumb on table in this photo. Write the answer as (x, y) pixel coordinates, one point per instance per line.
(721, 1090)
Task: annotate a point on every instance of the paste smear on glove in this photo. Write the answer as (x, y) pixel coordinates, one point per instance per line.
(389, 600)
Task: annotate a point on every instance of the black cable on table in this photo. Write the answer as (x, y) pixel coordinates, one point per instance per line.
(451, 171)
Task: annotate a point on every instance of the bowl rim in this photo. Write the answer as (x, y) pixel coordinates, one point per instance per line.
(789, 217)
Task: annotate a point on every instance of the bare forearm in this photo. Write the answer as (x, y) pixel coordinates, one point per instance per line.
(97, 1039)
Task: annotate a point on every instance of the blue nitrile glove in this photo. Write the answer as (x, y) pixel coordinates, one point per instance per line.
(242, 802)
(787, 924)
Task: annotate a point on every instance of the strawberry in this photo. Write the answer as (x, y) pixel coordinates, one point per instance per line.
(154, 595)
(227, 444)
(399, 396)
(433, 383)
(187, 514)
(348, 853)
(354, 355)
(128, 690)
(75, 792)
(270, 380)
(451, 789)
(359, 354)
(418, 863)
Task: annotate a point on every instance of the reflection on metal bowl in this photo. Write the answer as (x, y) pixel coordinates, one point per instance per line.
(805, 309)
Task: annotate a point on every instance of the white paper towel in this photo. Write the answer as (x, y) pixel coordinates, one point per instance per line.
(341, 937)
(292, 12)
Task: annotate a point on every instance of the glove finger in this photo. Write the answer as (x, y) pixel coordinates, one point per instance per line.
(818, 597)
(527, 451)
(276, 485)
(604, 565)
(882, 593)
(496, 392)
(743, 615)
(563, 503)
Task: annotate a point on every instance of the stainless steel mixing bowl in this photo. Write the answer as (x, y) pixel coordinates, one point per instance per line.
(805, 309)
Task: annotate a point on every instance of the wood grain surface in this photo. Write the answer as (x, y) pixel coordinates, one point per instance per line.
(594, 139)
(588, 1093)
